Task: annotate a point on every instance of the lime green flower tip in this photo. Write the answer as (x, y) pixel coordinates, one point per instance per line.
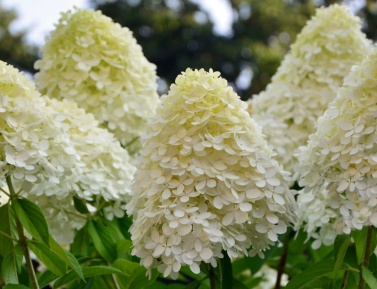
(98, 64)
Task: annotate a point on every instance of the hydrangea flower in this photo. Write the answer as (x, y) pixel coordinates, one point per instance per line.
(205, 180)
(98, 64)
(53, 151)
(103, 171)
(339, 165)
(34, 148)
(307, 80)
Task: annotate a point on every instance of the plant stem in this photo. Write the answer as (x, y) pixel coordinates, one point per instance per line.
(22, 240)
(116, 285)
(212, 277)
(283, 259)
(368, 245)
(344, 280)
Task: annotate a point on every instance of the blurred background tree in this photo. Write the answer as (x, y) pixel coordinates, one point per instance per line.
(176, 34)
(13, 49)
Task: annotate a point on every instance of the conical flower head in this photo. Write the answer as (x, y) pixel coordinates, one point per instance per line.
(339, 165)
(34, 147)
(98, 64)
(307, 80)
(102, 175)
(205, 180)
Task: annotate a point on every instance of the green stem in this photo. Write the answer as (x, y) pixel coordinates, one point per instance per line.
(344, 280)
(368, 248)
(22, 240)
(212, 277)
(116, 285)
(8, 236)
(283, 260)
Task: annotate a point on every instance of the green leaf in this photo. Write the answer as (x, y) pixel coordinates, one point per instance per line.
(369, 278)
(52, 261)
(194, 284)
(11, 266)
(32, 219)
(227, 273)
(87, 272)
(6, 244)
(359, 237)
(103, 240)
(135, 275)
(124, 249)
(80, 245)
(311, 273)
(238, 285)
(80, 205)
(46, 278)
(15, 286)
(340, 248)
(67, 257)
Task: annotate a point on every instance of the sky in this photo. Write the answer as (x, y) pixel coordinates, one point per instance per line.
(39, 16)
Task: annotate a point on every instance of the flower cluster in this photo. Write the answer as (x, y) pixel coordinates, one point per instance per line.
(205, 180)
(103, 172)
(34, 147)
(339, 165)
(307, 80)
(54, 151)
(98, 64)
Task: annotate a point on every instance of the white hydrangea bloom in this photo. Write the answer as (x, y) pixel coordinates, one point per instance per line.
(339, 165)
(103, 172)
(307, 80)
(34, 148)
(98, 64)
(205, 180)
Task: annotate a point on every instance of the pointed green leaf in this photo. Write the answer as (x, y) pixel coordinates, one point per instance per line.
(15, 286)
(136, 275)
(6, 244)
(87, 272)
(11, 266)
(238, 285)
(46, 278)
(194, 284)
(103, 240)
(311, 273)
(369, 278)
(52, 261)
(340, 248)
(80, 245)
(80, 205)
(32, 219)
(66, 256)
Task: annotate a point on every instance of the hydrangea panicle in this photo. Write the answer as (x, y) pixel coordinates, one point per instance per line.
(103, 171)
(205, 180)
(307, 80)
(95, 62)
(338, 167)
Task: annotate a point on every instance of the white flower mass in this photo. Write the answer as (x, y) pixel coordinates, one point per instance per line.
(307, 80)
(338, 167)
(205, 180)
(98, 64)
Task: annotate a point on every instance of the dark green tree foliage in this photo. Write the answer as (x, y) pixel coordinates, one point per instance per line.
(369, 14)
(13, 48)
(176, 34)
